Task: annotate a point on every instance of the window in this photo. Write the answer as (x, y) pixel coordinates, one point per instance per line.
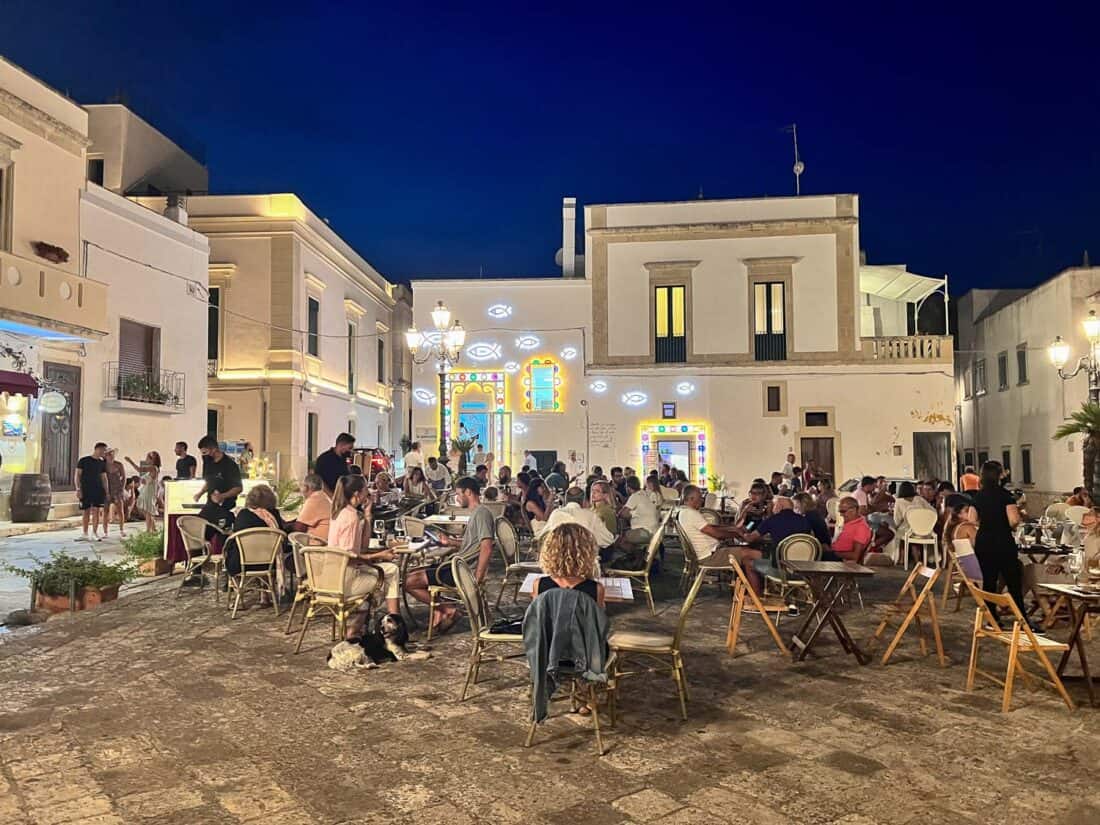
(979, 377)
(212, 422)
(1021, 364)
(313, 340)
(770, 321)
(775, 399)
(968, 458)
(1002, 371)
(137, 348)
(351, 359)
(311, 439)
(213, 324)
(817, 419)
(968, 383)
(381, 361)
(670, 325)
(95, 170)
(668, 409)
(1006, 458)
(983, 457)
(1025, 464)
(542, 388)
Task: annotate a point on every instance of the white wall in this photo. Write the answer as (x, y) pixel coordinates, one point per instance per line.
(135, 151)
(132, 250)
(719, 211)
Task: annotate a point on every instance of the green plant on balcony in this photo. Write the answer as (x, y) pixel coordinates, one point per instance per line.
(137, 387)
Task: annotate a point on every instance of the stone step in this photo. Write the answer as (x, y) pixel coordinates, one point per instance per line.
(64, 505)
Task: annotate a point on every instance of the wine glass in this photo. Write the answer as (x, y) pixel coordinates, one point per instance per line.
(1076, 562)
(399, 528)
(380, 528)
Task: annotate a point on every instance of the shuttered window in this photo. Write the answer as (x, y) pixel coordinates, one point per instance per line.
(137, 348)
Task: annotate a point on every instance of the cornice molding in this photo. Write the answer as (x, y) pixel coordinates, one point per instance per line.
(46, 126)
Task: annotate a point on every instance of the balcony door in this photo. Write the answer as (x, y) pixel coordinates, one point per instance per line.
(61, 431)
(670, 327)
(770, 321)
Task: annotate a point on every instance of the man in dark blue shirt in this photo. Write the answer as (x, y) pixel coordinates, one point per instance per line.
(332, 464)
(783, 522)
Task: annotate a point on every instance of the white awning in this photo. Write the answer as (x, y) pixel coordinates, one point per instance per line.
(894, 283)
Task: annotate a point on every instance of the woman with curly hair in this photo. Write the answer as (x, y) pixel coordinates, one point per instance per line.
(568, 559)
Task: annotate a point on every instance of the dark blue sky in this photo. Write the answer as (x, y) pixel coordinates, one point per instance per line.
(439, 140)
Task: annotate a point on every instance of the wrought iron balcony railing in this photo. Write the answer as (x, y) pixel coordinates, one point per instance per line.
(148, 386)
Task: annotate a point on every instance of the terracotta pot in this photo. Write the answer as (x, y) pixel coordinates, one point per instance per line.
(86, 598)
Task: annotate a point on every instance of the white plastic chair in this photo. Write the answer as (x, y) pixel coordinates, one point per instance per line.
(1056, 511)
(1076, 514)
(922, 525)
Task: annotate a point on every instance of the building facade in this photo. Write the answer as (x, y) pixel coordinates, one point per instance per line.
(1009, 397)
(712, 335)
(97, 298)
(300, 340)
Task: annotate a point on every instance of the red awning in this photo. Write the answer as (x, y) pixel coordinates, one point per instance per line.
(18, 383)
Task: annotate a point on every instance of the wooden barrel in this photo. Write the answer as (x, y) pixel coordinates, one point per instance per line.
(30, 497)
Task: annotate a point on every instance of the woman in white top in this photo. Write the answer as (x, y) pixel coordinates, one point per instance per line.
(416, 485)
(907, 500)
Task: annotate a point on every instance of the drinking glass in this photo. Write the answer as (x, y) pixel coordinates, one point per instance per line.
(399, 528)
(1076, 563)
(380, 528)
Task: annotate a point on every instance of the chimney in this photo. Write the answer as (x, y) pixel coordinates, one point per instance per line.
(569, 237)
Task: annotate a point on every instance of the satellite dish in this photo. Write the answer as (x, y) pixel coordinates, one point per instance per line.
(52, 402)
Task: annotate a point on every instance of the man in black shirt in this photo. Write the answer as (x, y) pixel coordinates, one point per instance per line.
(333, 463)
(91, 490)
(221, 475)
(185, 464)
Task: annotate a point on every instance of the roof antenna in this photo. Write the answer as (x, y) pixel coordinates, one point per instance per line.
(799, 166)
(700, 195)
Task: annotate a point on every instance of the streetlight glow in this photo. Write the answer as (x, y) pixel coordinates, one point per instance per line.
(1059, 352)
(1092, 326)
(441, 317)
(412, 338)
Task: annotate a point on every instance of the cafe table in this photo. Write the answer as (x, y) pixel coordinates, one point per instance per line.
(614, 589)
(1083, 601)
(408, 553)
(829, 581)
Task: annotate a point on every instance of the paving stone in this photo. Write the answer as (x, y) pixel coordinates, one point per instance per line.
(647, 805)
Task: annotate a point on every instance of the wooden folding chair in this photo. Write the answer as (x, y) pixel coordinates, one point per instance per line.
(1021, 642)
(963, 571)
(906, 609)
(743, 590)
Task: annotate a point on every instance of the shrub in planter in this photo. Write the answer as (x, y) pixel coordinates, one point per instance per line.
(95, 581)
(146, 550)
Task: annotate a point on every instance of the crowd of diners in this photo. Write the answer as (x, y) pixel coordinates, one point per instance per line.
(583, 516)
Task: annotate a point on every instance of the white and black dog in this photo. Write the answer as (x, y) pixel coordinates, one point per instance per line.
(386, 641)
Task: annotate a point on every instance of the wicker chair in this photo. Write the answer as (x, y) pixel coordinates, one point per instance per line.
(301, 592)
(327, 569)
(660, 650)
(256, 546)
(479, 616)
(193, 533)
(641, 576)
(797, 547)
(515, 571)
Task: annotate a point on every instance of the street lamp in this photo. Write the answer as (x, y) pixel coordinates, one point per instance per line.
(445, 348)
(1059, 353)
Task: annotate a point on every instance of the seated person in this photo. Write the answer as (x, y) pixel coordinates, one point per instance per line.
(574, 512)
(558, 480)
(804, 504)
(855, 536)
(754, 509)
(491, 494)
(384, 492)
(601, 497)
(642, 512)
(417, 485)
(259, 510)
(316, 512)
(706, 538)
(1080, 498)
(538, 504)
(783, 522)
(568, 558)
(478, 538)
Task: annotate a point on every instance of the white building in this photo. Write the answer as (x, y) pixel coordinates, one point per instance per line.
(717, 334)
(89, 281)
(1010, 399)
(301, 343)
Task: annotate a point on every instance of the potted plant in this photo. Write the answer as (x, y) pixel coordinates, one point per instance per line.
(462, 446)
(90, 582)
(146, 550)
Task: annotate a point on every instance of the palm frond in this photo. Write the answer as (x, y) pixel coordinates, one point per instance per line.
(1085, 421)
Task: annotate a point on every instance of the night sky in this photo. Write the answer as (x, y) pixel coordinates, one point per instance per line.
(441, 141)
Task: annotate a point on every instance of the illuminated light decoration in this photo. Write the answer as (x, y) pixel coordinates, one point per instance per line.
(511, 368)
(432, 337)
(634, 398)
(519, 428)
(542, 376)
(527, 342)
(598, 386)
(490, 382)
(693, 432)
(424, 396)
(569, 353)
(685, 388)
(483, 351)
(499, 311)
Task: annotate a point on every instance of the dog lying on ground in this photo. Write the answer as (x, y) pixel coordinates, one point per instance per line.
(388, 642)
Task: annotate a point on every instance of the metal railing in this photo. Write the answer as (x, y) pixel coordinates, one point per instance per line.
(149, 386)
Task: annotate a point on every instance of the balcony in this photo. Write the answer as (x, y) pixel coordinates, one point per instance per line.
(36, 295)
(151, 390)
(911, 348)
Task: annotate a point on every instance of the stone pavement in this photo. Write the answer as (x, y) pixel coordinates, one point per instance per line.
(163, 710)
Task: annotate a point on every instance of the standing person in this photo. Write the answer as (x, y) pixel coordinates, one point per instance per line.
(332, 464)
(116, 492)
(414, 458)
(347, 532)
(575, 467)
(185, 464)
(221, 476)
(529, 461)
(149, 470)
(490, 462)
(788, 466)
(90, 480)
(995, 545)
(809, 474)
(969, 481)
(478, 538)
(479, 454)
(436, 474)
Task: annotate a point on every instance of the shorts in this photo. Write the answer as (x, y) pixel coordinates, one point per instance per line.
(440, 575)
(91, 499)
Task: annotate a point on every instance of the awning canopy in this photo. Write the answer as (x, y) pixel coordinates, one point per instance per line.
(18, 383)
(894, 283)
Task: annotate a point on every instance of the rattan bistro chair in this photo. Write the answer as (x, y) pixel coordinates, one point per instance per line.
(641, 576)
(660, 650)
(298, 541)
(477, 611)
(258, 548)
(796, 547)
(193, 533)
(327, 569)
(515, 571)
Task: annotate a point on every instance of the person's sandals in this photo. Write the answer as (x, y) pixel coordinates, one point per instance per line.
(446, 624)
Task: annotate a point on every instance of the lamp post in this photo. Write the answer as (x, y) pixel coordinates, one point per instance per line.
(1059, 356)
(445, 347)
